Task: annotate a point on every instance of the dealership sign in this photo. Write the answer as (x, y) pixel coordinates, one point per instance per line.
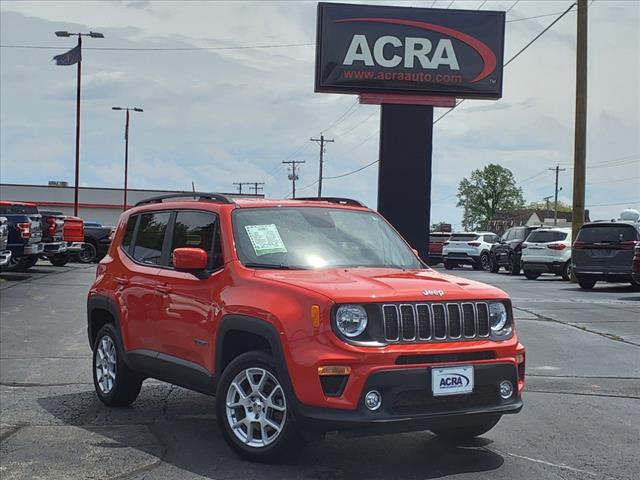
(364, 48)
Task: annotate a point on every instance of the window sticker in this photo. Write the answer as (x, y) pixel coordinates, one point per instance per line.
(265, 239)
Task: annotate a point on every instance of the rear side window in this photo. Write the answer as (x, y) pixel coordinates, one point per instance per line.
(607, 234)
(151, 230)
(490, 238)
(438, 238)
(195, 230)
(546, 236)
(463, 237)
(128, 233)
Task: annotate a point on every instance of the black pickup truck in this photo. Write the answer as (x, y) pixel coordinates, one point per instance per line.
(25, 234)
(97, 239)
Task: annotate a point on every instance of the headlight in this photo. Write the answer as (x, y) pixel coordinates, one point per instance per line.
(351, 320)
(499, 319)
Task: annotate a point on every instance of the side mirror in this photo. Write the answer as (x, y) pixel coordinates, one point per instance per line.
(190, 259)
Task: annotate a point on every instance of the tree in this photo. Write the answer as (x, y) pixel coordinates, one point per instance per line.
(488, 190)
(562, 207)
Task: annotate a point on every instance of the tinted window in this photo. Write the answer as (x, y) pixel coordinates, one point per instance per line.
(520, 233)
(490, 238)
(463, 237)
(151, 230)
(607, 233)
(195, 230)
(545, 236)
(128, 233)
(508, 235)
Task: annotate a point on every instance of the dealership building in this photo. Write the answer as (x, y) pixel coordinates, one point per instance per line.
(103, 205)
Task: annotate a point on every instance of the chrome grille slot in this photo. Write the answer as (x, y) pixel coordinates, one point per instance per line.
(455, 320)
(408, 322)
(439, 321)
(468, 320)
(483, 319)
(391, 323)
(424, 321)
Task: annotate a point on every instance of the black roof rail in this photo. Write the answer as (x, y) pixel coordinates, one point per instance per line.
(213, 197)
(340, 200)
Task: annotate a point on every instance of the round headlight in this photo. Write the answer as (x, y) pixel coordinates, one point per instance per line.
(351, 320)
(498, 317)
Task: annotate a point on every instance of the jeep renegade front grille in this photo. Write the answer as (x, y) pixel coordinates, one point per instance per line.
(433, 322)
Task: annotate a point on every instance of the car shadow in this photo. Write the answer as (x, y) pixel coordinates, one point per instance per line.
(183, 424)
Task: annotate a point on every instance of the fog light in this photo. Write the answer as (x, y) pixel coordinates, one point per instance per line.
(373, 400)
(506, 389)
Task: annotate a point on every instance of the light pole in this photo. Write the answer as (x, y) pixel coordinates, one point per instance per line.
(70, 60)
(126, 148)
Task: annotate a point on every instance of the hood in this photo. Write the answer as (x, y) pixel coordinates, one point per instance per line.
(377, 284)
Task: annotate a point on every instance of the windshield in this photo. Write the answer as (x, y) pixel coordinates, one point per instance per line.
(310, 237)
(463, 237)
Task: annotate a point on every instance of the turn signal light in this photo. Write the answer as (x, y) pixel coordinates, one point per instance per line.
(519, 358)
(333, 370)
(315, 316)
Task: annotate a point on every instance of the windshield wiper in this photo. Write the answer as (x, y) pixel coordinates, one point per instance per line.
(274, 266)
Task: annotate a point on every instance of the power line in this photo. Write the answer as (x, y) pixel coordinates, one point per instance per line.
(359, 124)
(352, 172)
(511, 7)
(166, 49)
(634, 202)
(352, 109)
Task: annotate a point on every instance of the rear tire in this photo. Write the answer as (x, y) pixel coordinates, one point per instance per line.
(566, 271)
(531, 275)
(20, 264)
(59, 259)
(116, 384)
(513, 268)
(468, 432)
(88, 253)
(586, 283)
(252, 398)
(448, 265)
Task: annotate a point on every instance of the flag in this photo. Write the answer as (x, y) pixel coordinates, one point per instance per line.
(71, 57)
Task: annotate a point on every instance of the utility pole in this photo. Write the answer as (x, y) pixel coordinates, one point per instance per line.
(256, 186)
(321, 141)
(580, 145)
(293, 176)
(555, 203)
(126, 148)
(239, 184)
(546, 199)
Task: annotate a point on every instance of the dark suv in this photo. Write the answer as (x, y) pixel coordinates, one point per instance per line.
(508, 250)
(308, 315)
(603, 252)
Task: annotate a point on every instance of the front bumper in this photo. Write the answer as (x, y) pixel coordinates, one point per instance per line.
(53, 248)
(33, 249)
(74, 247)
(409, 405)
(5, 257)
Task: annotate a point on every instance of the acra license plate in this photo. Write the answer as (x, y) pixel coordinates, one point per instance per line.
(452, 380)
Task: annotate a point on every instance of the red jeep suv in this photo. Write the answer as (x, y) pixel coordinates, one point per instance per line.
(302, 317)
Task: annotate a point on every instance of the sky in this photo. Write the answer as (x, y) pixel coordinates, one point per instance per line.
(215, 117)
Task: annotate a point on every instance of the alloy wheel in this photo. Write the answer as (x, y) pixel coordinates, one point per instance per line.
(105, 364)
(256, 407)
(485, 262)
(87, 254)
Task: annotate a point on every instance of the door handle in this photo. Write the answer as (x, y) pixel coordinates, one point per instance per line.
(122, 281)
(165, 289)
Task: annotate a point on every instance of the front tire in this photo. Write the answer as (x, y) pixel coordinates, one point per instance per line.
(253, 409)
(513, 268)
(21, 264)
(493, 264)
(116, 384)
(467, 432)
(59, 259)
(88, 253)
(449, 265)
(586, 283)
(484, 263)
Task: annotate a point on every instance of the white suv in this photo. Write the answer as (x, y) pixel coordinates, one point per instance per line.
(547, 250)
(469, 247)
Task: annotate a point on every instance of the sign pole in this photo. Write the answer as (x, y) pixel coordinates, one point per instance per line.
(76, 193)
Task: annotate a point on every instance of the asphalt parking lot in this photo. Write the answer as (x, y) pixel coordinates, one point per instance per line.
(580, 419)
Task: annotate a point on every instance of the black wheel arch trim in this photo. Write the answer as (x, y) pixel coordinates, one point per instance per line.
(102, 302)
(262, 328)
